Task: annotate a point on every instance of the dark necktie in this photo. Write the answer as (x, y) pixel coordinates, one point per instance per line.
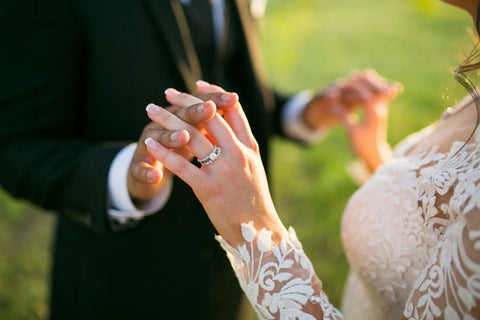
(200, 22)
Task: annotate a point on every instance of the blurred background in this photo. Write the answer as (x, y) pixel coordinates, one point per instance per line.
(307, 45)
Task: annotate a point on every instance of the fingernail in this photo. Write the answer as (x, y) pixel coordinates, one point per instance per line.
(153, 109)
(202, 83)
(229, 97)
(200, 107)
(226, 97)
(150, 177)
(173, 136)
(150, 143)
(172, 92)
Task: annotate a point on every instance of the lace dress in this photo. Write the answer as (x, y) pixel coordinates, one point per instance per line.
(411, 235)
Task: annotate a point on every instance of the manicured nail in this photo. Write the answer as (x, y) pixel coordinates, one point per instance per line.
(229, 97)
(153, 109)
(202, 83)
(171, 92)
(200, 107)
(150, 143)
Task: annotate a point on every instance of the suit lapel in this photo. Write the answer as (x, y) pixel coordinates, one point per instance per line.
(169, 17)
(253, 46)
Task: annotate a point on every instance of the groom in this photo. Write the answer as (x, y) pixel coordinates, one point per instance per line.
(76, 77)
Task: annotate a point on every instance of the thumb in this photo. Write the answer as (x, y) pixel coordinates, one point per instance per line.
(344, 117)
(376, 113)
(144, 172)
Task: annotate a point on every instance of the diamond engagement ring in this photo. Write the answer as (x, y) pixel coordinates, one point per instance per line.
(211, 157)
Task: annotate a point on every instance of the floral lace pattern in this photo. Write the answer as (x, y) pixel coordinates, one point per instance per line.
(277, 280)
(451, 283)
(410, 220)
(411, 235)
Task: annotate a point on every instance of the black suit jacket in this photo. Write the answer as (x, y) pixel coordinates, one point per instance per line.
(75, 77)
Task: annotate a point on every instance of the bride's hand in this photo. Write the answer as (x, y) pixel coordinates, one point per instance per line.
(233, 189)
(368, 136)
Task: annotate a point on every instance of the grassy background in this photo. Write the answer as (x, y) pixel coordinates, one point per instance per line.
(307, 45)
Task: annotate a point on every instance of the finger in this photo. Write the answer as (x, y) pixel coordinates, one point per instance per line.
(237, 120)
(375, 113)
(199, 145)
(178, 98)
(205, 87)
(223, 100)
(355, 93)
(235, 117)
(346, 119)
(175, 163)
(144, 172)
(194, 114)
(370, 78)
(232, 127)
(172, 139)
(378, 84)
(221, 132)
(394, 89)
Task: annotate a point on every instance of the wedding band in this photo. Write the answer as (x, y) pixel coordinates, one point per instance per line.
(211, 157)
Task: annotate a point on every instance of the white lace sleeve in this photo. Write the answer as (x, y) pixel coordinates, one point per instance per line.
(278, 279)
(449, 287)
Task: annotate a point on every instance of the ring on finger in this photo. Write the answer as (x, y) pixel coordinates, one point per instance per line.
(211, 157)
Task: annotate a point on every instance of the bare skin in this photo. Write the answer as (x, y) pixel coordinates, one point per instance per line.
(145, 174)
(236, 180)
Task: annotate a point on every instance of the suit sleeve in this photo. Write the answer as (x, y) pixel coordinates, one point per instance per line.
(44, 155)
(280, 102)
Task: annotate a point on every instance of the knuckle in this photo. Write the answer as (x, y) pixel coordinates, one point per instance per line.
(162, 137)
(149, 128)
(255, 146)
(137, 171)
(180, 113)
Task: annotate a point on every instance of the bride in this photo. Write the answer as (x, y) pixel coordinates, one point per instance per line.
(411, 233)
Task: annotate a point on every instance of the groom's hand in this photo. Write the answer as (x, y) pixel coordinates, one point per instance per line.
(146, 176)
(362, 88)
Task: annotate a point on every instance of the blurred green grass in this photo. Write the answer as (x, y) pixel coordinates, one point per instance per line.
(307, 45)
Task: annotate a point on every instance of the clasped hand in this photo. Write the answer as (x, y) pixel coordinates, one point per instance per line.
(368, 93)
(146, 175)
(233, 189)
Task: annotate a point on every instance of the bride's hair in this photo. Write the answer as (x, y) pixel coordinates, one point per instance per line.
(469, 65)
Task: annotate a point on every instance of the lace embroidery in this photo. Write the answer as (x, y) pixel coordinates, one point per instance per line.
(412, 207)
(450, 285)
(277, 280)
(406, 233)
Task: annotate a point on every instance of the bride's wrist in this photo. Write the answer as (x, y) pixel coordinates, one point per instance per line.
(376, 156)
(235, 234)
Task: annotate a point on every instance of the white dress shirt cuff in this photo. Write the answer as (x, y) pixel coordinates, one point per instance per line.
(121, 207)
(292, 121)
